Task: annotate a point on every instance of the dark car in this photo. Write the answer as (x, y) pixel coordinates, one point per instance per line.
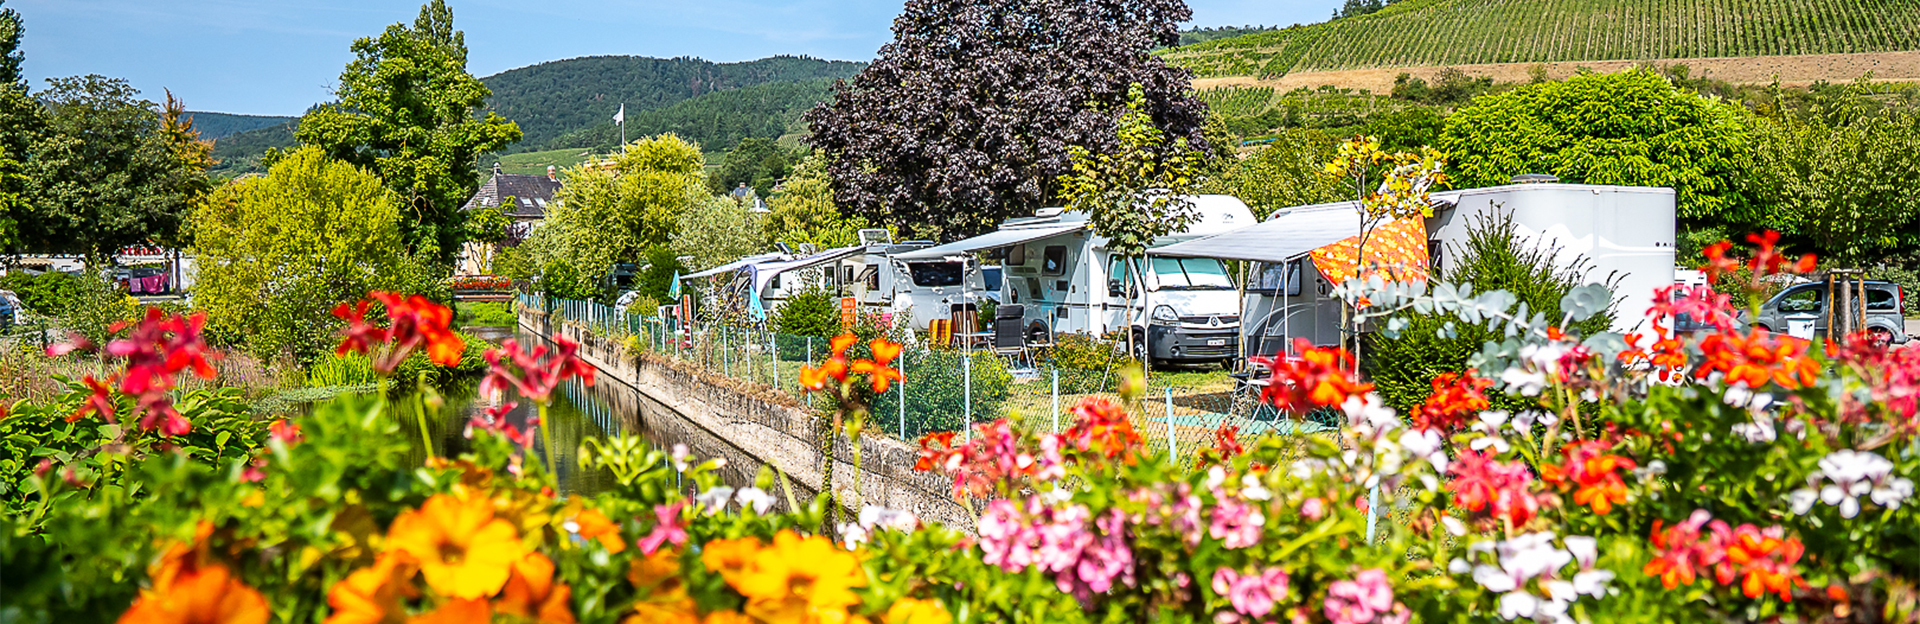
(1801, 310)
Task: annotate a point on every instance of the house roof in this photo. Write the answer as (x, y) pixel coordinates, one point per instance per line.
(531, 193)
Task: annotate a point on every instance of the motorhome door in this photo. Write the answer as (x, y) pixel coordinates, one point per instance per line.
(1120, 291)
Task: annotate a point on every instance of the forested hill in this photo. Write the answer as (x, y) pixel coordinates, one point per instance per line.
(551, 99)
(1427, 33)
(215, 125)
(715, 121)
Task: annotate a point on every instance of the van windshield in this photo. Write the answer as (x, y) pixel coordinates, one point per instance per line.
(936, 273)
(1190, 274)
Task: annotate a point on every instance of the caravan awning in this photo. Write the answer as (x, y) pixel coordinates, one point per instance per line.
(763, 273)
(1282, 238)
(732, 266)
(990, 240)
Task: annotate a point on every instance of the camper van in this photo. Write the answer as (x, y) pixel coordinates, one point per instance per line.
(870, 272)
(1626, 233)
(1066, 281)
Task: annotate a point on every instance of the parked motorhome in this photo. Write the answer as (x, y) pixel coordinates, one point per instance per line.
(1067, 281)
(1626, 234)
(870, 272)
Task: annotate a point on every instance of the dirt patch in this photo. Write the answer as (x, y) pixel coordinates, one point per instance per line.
(1792, 71)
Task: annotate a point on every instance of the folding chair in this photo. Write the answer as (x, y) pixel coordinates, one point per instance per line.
(1009, 338)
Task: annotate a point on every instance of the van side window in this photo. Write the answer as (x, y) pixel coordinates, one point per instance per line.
(1879, 300)
(1017, 255)
(1803, 300)
(1054, 260)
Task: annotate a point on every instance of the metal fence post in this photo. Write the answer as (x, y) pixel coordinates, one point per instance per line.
(966, 376)
(902, 396)
(1056, 399)
(1173, 452)
(803, 392)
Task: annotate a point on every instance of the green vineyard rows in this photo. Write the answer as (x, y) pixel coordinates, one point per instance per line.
(1461, 32)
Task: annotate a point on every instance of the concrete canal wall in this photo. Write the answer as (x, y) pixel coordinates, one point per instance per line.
(751, 426)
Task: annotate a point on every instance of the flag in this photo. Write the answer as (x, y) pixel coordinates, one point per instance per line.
(620, 118)
(1397, 250)
(673, 289)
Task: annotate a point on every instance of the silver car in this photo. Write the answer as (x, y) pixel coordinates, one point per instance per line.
(1801, 311)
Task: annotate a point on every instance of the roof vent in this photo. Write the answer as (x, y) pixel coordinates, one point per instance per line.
(1535, 178)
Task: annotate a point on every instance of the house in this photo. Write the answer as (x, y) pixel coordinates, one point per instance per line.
(531, 194)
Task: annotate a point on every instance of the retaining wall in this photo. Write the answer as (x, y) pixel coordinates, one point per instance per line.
(751, 425)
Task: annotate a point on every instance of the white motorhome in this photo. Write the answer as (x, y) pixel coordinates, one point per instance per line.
(1625, 233)
(1066, 281)
(870, 272)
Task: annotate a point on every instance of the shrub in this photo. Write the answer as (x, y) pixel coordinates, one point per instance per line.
(813, 312)
(1086, 361)
(1402, 363)
(46, 294)
(936, 392)
(486, 314)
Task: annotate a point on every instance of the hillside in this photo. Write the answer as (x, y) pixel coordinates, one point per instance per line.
(716, 120)
(213, 126)
(551, 99)
(1417, 33)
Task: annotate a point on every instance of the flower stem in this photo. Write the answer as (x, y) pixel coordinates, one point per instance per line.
(426, 440)
(546, 441)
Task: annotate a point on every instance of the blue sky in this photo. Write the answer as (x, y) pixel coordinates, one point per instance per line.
(275, 57)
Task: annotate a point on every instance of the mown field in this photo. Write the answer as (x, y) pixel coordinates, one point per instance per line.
(1415, 33)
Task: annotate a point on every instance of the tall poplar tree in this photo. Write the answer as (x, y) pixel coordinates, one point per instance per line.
(407, 111)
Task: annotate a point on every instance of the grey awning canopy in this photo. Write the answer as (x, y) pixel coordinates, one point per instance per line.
(997, 238)
(1283, 237)
(730, 266)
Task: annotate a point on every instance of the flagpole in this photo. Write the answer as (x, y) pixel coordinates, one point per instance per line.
(623, 126)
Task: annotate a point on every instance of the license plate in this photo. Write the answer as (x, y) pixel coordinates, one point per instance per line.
(1217, 342)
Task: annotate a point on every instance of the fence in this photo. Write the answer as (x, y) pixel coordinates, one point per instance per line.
(944, 388)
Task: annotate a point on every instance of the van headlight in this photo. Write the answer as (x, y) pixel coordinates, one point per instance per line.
(1166, 313)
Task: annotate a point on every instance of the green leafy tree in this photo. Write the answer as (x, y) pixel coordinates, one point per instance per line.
(280, 251)
(12, 29)
(1842, 181)
(409, 111)
(107, 170)
(487, 229)
(714, 230)
(803, 210)
(658, 265)
(1280, 174)
(606, 216)
(1631, 128)
(757, 163)
(965, 118)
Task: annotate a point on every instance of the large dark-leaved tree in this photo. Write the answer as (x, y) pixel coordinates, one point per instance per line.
(965, 118)
(407, 111)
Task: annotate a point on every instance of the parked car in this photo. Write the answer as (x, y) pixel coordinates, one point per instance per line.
(12, 311)
(1801, 311)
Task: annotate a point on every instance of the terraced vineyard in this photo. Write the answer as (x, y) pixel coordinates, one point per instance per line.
(1415, 33)
(1237, 101)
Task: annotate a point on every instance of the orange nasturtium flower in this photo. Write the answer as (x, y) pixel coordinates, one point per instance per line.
(463, 549)
(877, 369)
(456, 611)
(1595, 474)
(794, 579)
(372, 595)
(663, 598)
(531, 592)
(589, 523)
(207, 594)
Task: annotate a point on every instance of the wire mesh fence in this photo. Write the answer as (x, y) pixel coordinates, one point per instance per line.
(945, 388)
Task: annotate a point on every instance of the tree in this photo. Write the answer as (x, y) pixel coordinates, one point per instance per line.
(407, 110)
(107, 170)
(279, 251)
(602, 217)
(758, 163)
(1631, 128)
(11, 31)
(965, 118)
(1280, 174)
(1136, 193)
(714, 230)
(1841, 178)
(803, 210)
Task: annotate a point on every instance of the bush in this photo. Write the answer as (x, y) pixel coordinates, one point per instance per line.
(46, 294)
(560, 279)
(1086, 361)
(1402, 365)
(813, 312)
(95, 304)
(936, 392)
(486, 314)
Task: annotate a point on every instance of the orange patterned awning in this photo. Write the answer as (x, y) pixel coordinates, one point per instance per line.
(1397, 250)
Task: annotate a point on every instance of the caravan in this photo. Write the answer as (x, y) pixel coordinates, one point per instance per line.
(1626, 234)
(1066, 281)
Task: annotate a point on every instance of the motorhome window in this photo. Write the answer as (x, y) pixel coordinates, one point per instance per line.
(1017, 255)
(1054, 260)
(936, 273)
(1270, 276)
(774, 284)
(1190, 274)
(872, 278)
(849, 272)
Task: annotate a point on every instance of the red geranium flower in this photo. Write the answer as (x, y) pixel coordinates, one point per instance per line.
(1482, 483)
(414, 322)
(1319, 378)
(1757, 358)
(1594, 473)
(1456, 398)
(1099, 423)
(534, 374)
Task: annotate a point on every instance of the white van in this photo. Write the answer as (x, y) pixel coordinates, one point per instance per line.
(1065, 279)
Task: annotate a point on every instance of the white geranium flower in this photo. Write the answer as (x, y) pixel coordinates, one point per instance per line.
(679, 455)
(754, 498)
(1252, 489)
(1426, 444)
(714, 499)
(1524, 382)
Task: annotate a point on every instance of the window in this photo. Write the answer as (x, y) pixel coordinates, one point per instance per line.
(1188, 274)
(1268, 277)
(1802, 300)
(1879, 300)
(1017, 255)
(1119, 277)
(1054, 260)
(936, 273)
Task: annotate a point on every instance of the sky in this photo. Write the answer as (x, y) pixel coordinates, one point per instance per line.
(277, 57)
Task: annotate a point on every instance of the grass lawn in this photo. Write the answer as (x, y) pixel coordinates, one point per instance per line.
(535, 163)
(484, 314)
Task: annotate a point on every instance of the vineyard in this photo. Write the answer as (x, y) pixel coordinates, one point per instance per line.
(1415, 33)
(1252, 111)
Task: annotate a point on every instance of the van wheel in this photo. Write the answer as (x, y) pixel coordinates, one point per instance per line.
(1137, 346)
(1880, 336)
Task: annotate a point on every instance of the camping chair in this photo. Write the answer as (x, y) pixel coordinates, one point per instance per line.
(1009, 338)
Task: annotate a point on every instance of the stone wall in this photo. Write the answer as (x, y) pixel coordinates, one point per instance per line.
(751, 425)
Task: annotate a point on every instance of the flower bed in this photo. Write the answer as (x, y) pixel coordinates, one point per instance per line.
(479, 283)
(1734, 476)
